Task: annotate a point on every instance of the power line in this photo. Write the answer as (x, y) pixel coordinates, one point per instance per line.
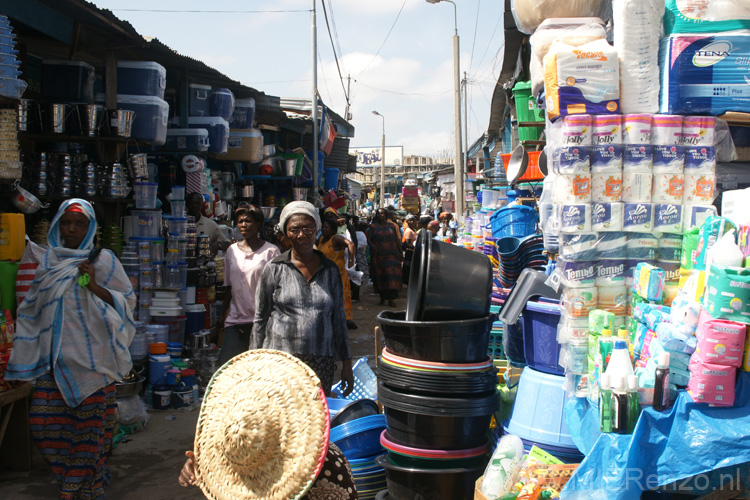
(335, 32)
(474, 41)
(333, 47)
(434, 94)
(386, 39)
(180, 11)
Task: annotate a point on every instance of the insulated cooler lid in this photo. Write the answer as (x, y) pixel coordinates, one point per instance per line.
(187, 131)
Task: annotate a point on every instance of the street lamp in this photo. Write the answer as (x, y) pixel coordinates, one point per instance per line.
(382, 163)
(458, 168)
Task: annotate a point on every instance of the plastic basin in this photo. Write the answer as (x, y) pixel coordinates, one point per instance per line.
(408, 482)
(457, 341)
(359, 438)
(538, 410)
(355, 410)
(540, 346)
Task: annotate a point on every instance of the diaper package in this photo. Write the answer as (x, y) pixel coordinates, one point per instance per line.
(700, 16)
(712, 384)
(648, 281)
(705, 74)
(728, 293)
(720, 342)
(582, 79)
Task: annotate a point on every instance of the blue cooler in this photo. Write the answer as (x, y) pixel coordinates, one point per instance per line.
(218, 131)
(187, 139)
(222, 103)
(199, 103)
(66, 81)
(151, 117)
(244, 113)
(141, 78)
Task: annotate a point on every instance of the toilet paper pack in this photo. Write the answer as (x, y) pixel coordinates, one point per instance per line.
(700, 159)
(698, 131)
(666, 130)
(611, 272)
(571, 160)
(612, 246)
(607, 187)
(606, 158)
(668, 218)
(639, 217)
(643, 246)
(607, 217)
(670, 246)
(613, 299)
(637, 158)
(637, 187)
(636, 129)
(572, 189)
(668, 188)
(668, 159)
(577, 273)
(578, 246)
(695, 215)
(699, 189)
(575, 218)
(577, 130)
(671, 271)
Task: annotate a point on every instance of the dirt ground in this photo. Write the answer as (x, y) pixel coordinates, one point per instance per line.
(147, 465)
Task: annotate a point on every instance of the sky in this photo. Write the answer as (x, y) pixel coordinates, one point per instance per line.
(398, 54)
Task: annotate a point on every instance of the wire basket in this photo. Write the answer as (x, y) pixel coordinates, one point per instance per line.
(517, 220)
(365, 383)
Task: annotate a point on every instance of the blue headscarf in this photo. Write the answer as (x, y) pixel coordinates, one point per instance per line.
(54, 238)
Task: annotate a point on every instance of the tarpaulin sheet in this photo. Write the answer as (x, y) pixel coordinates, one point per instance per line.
(686, 440)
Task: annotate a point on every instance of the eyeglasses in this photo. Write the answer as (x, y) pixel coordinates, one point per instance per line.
(307, 231)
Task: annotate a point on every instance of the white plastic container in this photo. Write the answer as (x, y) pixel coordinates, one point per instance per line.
(145, 194)
(144, 78)
(146, 223)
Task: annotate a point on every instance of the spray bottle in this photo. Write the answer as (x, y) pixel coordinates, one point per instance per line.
(634, 407)
(605, 403)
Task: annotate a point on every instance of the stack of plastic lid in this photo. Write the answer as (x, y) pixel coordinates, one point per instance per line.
(10, 84)
(517, 254)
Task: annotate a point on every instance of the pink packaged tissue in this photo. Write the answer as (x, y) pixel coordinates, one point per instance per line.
(712, 384)
(720, 342)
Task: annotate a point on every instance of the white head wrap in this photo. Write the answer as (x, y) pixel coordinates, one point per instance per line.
(298, 208)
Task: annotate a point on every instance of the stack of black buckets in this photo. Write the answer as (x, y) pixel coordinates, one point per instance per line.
(435, 380)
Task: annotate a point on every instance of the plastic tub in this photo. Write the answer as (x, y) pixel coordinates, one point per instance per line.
(146, 223)
(355, 410)
(187, 139)
(331, 176)
(146, 78)
(67, 81)
(407, 482)
(145, 194)
(359, 438)
(175, 326)
(244, 145)
(540, 346)
(538, 410)
(490, 198)
(244, 113)
(222, 103)
(438, 383)
(218, 131)
(461, 341)
(177, 208)
(199, 103)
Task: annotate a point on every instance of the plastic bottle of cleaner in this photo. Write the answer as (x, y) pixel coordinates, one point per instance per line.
(619, 405)
(622, 334)
(605, 347)
(498, 477)
(634, 407)
(605, 403)
(620, 364)
(661, 383)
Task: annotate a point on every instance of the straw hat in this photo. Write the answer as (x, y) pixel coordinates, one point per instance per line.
(263, 429)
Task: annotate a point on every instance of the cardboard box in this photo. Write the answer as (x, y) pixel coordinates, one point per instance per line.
(478, 495)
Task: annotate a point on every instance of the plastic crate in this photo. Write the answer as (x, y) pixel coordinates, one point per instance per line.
(365, 383)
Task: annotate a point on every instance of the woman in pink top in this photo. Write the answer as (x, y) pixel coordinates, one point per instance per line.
(243, 264)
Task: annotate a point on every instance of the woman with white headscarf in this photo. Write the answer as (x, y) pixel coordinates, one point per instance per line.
(72, 336)
(300, 302)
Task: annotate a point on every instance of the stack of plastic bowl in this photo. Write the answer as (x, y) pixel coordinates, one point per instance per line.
(517, 254)
(359, 441)
(10, 84)
(435, 380)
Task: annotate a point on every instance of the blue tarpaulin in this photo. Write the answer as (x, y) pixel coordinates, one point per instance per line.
(667, 448)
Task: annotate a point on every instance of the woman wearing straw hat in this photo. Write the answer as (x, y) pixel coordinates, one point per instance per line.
(72, 336)
(263, 434)
(300, 301)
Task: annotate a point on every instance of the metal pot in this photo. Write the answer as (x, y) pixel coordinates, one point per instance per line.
(138, 166)
(247, 191)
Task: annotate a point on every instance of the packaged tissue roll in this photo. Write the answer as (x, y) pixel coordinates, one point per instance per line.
(710, 383)
(606, 158)
(572, 189)
(606, 130)
(699, 189)
(577, 274)
(582, 79)
(648, 281)
(575, 218)
(571, 160)
(642, 246)
(668, 188)
(578, 246)
(668, 159)
(696, 215)
(670, 247)
(720, 342)
(636, 129)
(637, 187)
(607, 217)
(668, 218)
(700, 159)
(670, 293)
(698, 131)
(577, 130)
(611, 272)
(579, 302)
(666, 130)
(639, 218)
(613, 299)
(612, 246)
(607, 187)
(728, 293)
(637, 158)
(671, 271)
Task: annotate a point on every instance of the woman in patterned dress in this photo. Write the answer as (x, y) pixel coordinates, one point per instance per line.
(386, 257)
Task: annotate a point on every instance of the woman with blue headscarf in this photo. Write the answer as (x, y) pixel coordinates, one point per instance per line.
(72, 336)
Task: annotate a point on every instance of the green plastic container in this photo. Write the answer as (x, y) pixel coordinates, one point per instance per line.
(8, 271)
(526, 111)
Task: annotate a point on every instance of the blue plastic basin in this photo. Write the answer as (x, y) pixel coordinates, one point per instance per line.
(359, 438)
(540, 346)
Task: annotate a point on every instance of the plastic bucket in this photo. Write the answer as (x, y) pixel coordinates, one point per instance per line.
(331, 178)
(161, 397)
(195, 318)
(158, 365)
(518, 220)
(540, 346)
(182, 396)
(538, 410)
(175, 325)
(145, 194)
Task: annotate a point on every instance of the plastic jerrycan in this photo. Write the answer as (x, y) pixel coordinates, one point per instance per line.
(12, 232)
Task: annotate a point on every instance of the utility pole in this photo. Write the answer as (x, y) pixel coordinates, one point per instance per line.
(466, 122)
(316, 145)
(347, 117)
